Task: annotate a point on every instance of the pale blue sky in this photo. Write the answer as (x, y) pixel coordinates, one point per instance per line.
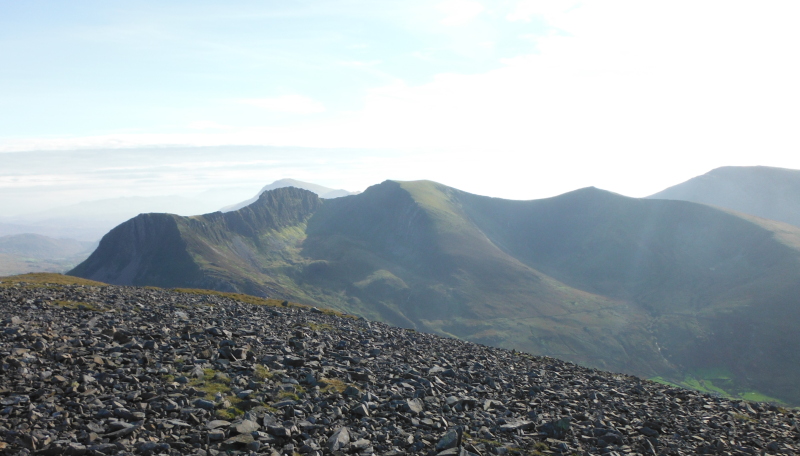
(512, 98)
(93, 68)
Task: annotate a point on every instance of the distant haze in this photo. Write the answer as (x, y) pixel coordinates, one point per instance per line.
(215, 177)
(211, 177)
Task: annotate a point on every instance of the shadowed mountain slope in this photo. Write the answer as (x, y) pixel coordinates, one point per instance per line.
(772, 193)
(650, 287)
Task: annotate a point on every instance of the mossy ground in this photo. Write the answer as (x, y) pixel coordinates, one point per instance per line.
(48, 278)
(262, 372)
(212, 383)
(332, 385)
(717, 381)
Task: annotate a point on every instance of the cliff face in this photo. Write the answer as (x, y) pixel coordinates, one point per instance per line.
(202, 251)
(146, 250)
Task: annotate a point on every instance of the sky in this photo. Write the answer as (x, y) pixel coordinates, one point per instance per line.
(510, 98)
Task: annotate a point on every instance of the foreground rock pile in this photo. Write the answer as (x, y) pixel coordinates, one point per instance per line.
(113, 370)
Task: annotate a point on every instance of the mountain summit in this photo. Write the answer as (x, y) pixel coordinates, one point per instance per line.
(321, 191)
(772, 193)
(649, 287)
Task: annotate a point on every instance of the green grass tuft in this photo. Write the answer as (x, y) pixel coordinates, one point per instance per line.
(48, 278)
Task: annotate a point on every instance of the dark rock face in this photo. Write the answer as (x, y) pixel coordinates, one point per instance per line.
(155, 249)
(157, 372)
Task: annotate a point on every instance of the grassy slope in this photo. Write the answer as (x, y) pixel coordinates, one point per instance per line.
(720, 290)
(429, 266)
(42, 278)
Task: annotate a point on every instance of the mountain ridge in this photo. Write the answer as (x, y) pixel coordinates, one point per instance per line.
(651, 287)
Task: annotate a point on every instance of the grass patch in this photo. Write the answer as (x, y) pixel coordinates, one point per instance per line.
(703, 380)
(213, 382)
(263, 373)
(332, 385)
(319, 327)
(229, 413)
(49, 278)
(288, 395)
(703, 385)
(743, 417)
(755, 396)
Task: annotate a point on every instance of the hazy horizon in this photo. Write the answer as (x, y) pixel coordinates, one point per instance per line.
(516, 99)
(41, 181)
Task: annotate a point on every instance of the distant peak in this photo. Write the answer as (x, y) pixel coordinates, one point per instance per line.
(321, 191)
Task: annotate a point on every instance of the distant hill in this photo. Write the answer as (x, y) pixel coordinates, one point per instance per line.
(23, 253)
(656, 288)
(772, 193)
(321, 191)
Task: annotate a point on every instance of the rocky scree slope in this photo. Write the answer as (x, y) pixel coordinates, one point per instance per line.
(87, 370)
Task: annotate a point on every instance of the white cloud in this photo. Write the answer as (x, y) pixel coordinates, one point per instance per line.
(633, 96)
(525, 9)
(207, 125)
(458, 12)
(359, 63)
(294, 104)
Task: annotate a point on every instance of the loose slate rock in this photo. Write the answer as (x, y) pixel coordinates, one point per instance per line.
(451, 439)
(247, 427)
(339, 439)
(214, 424)
(164, 372)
